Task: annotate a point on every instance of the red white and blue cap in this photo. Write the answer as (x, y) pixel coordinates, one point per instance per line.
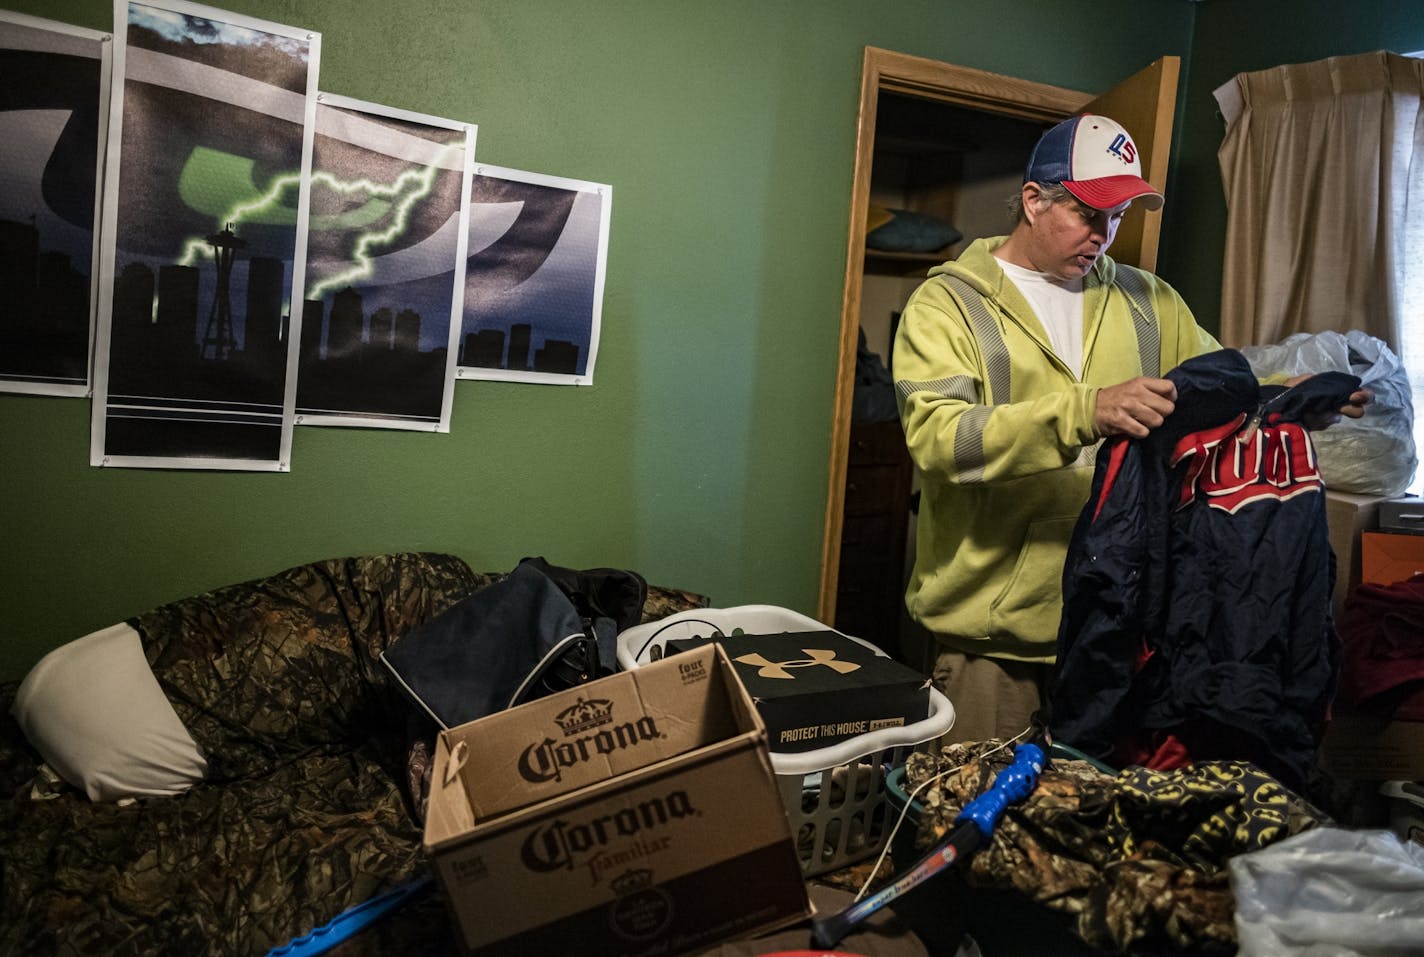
(1095, 159)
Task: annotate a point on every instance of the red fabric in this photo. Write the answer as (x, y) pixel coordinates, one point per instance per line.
(1164, 752)
(1382, 663)
(1117, 451)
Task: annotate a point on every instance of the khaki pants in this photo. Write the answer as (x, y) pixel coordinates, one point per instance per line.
(992, 697)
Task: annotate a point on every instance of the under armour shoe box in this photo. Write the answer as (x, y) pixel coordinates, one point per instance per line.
(626, 849)
(816, 688)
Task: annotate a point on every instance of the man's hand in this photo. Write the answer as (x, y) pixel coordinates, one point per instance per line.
(1135, 407)
(1354, 409)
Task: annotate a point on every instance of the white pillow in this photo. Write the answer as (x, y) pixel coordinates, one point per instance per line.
(95, 712)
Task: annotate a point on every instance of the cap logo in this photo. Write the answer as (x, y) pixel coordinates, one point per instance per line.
(1123, 148)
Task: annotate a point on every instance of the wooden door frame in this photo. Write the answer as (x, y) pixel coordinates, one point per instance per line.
(887, 71)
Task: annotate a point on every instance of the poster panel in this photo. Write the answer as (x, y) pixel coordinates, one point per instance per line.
(538, 251)
(54, 86)
(203, 238)
(386, 240)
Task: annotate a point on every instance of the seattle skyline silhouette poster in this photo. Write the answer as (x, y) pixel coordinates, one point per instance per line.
(386, 238)
(53, 119)
(203, 239)
(538, 253)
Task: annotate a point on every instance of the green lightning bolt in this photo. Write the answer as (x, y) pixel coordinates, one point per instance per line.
(409, 188)
(399, 197)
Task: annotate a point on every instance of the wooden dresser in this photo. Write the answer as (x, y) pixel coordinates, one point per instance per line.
(870, 589)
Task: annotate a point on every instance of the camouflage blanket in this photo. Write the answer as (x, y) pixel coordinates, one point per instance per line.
(1134, 862)
(305, 811)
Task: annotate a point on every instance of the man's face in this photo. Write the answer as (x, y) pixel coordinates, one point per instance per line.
(1067, 237)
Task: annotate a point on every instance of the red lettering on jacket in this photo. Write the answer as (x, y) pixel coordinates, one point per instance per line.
(1229, 470)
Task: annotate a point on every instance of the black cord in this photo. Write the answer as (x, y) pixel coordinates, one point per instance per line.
(680, 621)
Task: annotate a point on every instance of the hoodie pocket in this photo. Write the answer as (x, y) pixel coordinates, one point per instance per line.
(1031, 601)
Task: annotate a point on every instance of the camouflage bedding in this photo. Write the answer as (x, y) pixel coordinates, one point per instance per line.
(305, 811)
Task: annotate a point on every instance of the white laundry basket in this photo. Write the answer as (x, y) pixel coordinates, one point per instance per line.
(835, 796)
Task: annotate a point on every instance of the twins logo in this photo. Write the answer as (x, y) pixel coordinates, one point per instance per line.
(1231, 471)
(1123, 148)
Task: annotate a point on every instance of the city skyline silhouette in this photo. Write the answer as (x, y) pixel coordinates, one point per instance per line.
(44, 309)
(514, 351)
(49, 123)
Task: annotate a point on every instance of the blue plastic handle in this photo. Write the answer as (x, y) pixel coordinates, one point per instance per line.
(1012, 784)
(351, 921)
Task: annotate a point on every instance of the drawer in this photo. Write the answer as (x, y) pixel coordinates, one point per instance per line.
(876, 622)
(872, 533)
(877, 443)
(861, 570)
(1402, 515)
(876, 488)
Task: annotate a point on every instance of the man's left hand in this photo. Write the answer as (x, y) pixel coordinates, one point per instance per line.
(1353, 409)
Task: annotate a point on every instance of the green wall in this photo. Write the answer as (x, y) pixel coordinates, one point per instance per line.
(699, 457)
(1237, 36)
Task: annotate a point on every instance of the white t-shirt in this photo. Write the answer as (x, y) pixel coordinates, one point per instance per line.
(1058, 303)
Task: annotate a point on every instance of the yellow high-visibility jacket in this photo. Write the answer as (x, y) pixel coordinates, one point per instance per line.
(1004, 437)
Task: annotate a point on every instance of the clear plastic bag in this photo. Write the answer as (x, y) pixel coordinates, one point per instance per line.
(1372, 455)
(1330, 891)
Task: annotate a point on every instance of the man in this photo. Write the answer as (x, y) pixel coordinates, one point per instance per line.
(1011, 364)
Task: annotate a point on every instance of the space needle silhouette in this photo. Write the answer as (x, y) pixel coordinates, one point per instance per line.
(218, 336)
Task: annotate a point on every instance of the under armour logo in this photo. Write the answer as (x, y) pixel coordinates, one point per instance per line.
(781, 669)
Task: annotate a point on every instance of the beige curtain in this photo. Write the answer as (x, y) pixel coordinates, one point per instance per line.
(1318, 163)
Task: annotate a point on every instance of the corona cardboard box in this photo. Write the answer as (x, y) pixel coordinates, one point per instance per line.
(645, 819)
(817, 688)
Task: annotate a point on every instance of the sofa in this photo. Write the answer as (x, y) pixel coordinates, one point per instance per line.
(307, 805)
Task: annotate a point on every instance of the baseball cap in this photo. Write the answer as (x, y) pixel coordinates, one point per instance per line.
(1095, 159)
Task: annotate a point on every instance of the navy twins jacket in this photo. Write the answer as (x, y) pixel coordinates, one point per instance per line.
(1196, 592)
